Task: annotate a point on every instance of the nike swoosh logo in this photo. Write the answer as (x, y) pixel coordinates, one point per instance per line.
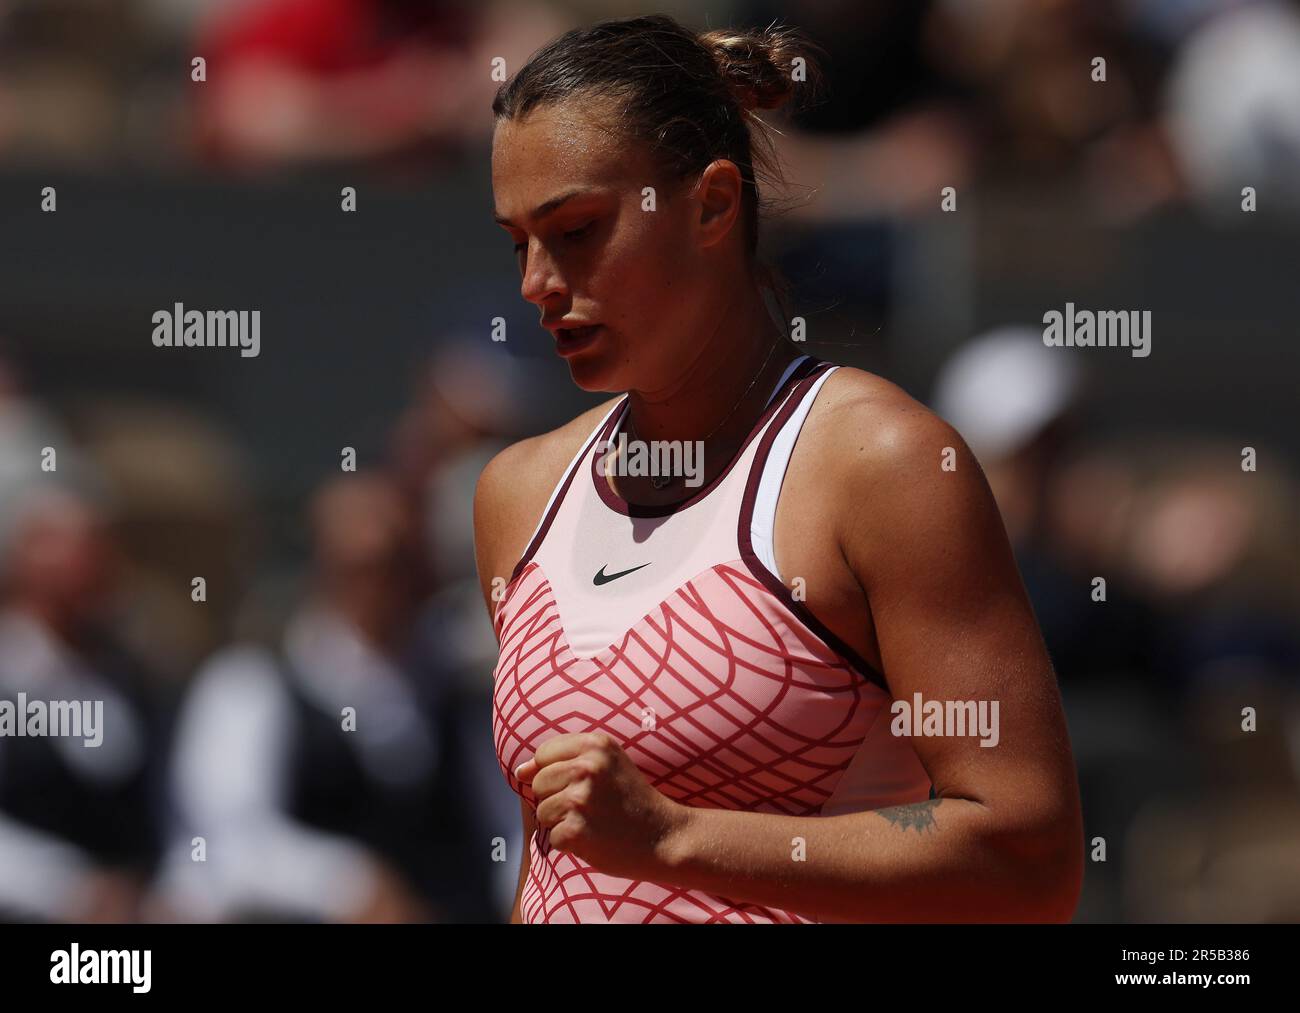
(604, 578)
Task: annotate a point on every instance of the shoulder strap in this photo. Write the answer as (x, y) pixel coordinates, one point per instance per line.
(557, 494)
(770, 463)
(758, 509)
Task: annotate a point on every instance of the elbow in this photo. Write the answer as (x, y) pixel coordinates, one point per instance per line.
(1045, 864)
(1058, 884)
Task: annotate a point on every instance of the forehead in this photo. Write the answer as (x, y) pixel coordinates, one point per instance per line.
(561, 146)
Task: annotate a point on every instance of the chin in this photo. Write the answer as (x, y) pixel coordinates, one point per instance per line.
(597, 371)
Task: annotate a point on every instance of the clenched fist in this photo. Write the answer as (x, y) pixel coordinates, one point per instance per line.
(599, 806)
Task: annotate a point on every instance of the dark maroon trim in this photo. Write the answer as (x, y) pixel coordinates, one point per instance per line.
(766, 576)
(619, 505)
(545, 526)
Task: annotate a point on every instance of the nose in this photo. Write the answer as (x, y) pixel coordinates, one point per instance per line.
(541, 278)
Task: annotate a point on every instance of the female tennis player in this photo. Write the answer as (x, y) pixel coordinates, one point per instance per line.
(803, 683)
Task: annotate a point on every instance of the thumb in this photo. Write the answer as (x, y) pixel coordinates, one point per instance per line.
(526, 771)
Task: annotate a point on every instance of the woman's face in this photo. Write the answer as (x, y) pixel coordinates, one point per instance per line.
(571, 196)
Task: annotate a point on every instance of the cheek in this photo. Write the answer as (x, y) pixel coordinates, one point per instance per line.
(649, 262)
(640, 296)
(644, 283)
(615, 273)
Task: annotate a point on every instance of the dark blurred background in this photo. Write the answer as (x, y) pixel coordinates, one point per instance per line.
(328, 589)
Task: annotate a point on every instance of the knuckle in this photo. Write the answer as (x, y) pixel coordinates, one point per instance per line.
(580, 792)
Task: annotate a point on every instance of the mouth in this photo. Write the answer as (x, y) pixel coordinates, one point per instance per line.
(573, 339)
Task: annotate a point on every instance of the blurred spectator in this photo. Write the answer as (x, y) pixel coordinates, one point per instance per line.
(1017, 402)
(26, 430)
(79, 832)
(65, 76)
(328, 778)
(1214, 548)
(183, 508)
(888, 131)
(1234, 107)
(470, 401)
(322, 81)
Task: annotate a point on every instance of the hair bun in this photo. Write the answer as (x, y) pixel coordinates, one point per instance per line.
(760, 66)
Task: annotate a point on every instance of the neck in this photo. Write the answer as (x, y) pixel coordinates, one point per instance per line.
(720, 379)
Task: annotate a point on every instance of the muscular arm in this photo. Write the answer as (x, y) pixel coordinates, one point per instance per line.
(1003, 839)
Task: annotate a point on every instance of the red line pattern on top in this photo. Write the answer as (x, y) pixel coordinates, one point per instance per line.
(722, 698)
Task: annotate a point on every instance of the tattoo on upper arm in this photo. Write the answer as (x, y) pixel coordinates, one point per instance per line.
(919, 816)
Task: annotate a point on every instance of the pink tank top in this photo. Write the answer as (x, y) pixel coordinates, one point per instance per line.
(669, 628)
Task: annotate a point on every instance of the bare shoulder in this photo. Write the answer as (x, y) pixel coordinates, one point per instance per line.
(514, 487)
(532, 466)
(897, 473)
(873, 426)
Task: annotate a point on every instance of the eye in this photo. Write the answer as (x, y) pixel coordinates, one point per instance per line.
(579, 232)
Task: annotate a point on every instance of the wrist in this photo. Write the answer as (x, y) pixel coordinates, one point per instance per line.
(673, 847)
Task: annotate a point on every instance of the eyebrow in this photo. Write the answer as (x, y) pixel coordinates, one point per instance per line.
(543, 209)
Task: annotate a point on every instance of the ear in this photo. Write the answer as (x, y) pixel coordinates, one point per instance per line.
(719, 193)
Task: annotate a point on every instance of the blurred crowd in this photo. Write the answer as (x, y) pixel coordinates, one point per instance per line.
(1164, 568)
(1122, 100)
(312, 739)
(232, 784)
(320, 750)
